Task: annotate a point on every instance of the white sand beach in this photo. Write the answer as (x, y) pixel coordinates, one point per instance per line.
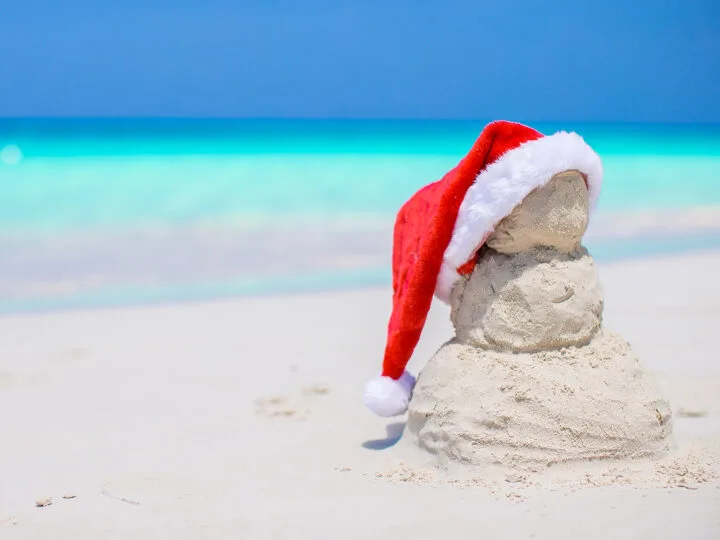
(244, 419)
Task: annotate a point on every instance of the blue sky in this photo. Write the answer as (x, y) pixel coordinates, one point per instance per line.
(531, 61)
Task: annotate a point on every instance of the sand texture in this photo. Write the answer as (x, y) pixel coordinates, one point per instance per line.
(554, 215)
(531, 379)
(537, 300)
(526, 412)
(244, 419)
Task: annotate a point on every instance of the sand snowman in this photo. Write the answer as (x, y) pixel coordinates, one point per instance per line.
(531, 378)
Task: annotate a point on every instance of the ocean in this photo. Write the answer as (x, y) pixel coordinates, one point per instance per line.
(99, 212)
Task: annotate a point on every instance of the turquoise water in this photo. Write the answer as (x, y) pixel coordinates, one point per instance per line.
(75, 193)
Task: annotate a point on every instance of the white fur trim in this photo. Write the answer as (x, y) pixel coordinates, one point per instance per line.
(386, 396)
(504, 184)
(447, 278)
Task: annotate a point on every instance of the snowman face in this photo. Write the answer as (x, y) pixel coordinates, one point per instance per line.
(554, 215)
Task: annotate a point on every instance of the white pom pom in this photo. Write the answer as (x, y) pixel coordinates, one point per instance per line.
(386, 396)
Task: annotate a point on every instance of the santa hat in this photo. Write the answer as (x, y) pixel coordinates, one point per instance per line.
(439, 231)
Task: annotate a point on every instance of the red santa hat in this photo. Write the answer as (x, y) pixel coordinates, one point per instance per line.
(439, 231)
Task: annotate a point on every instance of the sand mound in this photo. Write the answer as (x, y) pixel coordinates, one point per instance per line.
(537, 300)
(527, 411)
(532, 380)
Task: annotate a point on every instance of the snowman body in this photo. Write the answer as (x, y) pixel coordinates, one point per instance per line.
(532, 378)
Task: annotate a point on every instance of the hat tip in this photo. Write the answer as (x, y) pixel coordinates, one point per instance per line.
(387, 397)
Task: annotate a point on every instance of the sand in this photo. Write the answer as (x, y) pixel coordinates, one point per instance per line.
(217, 421)
(534, 287)
(497, 413)
(555, 214)
(536, 300)
(531, 380)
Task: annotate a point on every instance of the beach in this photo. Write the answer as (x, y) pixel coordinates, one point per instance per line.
(295, 272)
(243, 418)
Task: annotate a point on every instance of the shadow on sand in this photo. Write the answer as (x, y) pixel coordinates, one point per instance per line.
(394, 432)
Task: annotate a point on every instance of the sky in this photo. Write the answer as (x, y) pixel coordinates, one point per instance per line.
(569, 60)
